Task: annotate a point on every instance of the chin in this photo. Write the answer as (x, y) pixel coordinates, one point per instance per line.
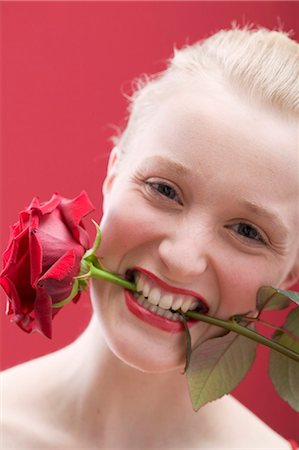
(141, 347)
(147, 358)
(152, 367)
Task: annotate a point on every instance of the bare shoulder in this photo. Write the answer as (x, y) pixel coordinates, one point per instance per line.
(242, 429)
(33, 416)
(26, 399)
(27, 381)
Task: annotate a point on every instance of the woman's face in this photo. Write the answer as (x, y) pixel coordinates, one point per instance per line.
(205, 200)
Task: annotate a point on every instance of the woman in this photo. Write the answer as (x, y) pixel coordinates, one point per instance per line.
(200, 202)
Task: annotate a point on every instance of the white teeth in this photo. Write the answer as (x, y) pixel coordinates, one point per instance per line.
(187, 302)
(157, 296)
(168, 315)
(178, 301)
(154, 296)
(140, 300)
(166, 301)
(153, 308)
(137, 278)
(145, 289)
(193, 306)
(138, 282)
(156, 309)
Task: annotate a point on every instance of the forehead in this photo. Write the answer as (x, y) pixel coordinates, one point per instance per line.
(223, 124)
(234, 146)
(230, 149)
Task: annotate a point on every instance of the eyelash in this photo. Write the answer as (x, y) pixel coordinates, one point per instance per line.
(154, 186)
(259, 238)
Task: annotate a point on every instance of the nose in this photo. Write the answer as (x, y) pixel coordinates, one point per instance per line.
(184, 255)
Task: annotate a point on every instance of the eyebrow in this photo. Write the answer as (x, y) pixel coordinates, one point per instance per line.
(179, 168)
(264, 213)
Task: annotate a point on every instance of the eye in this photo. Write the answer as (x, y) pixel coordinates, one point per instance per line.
(160, 188)
(248, 232)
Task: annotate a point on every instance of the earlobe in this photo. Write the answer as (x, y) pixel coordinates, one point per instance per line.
(111, 170)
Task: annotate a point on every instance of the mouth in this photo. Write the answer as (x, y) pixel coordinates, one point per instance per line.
(164, 300)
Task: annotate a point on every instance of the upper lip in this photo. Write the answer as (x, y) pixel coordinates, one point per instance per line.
(169, 288)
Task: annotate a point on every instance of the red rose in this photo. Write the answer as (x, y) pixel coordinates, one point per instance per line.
(43, 255)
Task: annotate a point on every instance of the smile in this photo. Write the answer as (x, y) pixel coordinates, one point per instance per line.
(159, 304)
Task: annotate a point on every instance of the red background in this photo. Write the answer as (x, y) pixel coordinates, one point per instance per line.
(64, 68)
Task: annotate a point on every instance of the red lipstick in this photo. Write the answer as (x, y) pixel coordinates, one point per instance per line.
(172, 326)
(153, 319)
(173, 289)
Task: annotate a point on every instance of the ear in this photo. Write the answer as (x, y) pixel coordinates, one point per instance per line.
(111, 170)
(291, 279)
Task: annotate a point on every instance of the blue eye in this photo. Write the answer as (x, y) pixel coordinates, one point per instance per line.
(248, 231)
(164, 190)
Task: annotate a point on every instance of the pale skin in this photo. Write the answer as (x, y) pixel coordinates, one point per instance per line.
(120, 385)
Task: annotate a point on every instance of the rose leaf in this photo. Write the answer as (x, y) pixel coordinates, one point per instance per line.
(283, 371)
(292, 295)
(269, 298)
(217, 366)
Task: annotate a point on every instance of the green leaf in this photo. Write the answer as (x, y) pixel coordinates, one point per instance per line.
(284, 372)
(269, 298)
(217, 366)
(292, 295)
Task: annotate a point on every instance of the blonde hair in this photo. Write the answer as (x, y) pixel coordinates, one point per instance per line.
(262, 64)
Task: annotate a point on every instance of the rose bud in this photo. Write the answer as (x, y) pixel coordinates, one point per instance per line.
(43, 256)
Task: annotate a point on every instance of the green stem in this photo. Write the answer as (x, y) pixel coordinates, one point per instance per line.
(231, 325)
(73, 293)
(273, 327)
(107, 276)
(250, 334)
(188, 343)
(98, 238)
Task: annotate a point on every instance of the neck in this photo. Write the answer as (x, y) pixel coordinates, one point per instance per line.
(110, 395)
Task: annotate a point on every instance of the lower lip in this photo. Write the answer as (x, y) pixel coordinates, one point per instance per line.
(153, 319)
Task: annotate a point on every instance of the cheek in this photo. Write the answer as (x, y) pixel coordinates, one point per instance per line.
(239, 286)
(241, 291)
(124, 229)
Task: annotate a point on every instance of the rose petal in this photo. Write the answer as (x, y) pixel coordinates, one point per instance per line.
(73, 212)
(75, 299)
(18, 246)
(43, 312)
(13, 304)
(55, 236)
(19, 276)
(24, 218)
(43, 256)
(51, 205)
(58, 280)
(33, 205)
(62, 268)
(7, 254)
(35, 249)
(25, 322)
